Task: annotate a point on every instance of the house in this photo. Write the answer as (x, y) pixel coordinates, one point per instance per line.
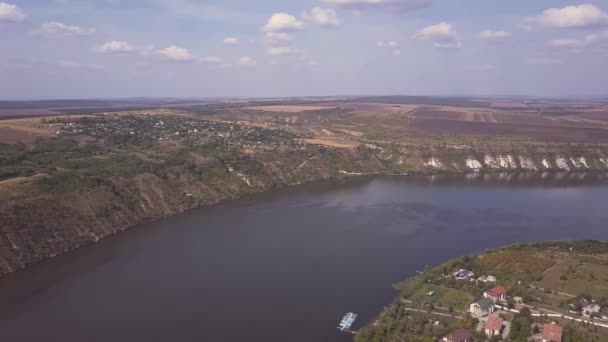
(459, 335)
(591, 310)
(482, 307)
(518, 300)
(497, 294)
(494, 326)
(552, 333)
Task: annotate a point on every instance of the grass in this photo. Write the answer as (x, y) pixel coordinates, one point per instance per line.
(510, 264)
(574, 278)
(444, 297)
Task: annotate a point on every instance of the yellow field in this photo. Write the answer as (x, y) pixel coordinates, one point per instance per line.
(288, 109)
(332, 143)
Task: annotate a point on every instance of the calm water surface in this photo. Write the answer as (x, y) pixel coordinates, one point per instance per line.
(286, 265)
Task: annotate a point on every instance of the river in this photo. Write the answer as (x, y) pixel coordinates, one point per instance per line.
(288, 264)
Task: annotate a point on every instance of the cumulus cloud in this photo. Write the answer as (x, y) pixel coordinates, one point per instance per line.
(391, 5)
(325, 17)
(582, 16)
(492, 36)
(277, 37)
(10, 13)
(247, 61)
(589, 40)
(176, 54)
(61, 30)
(442, 35)
(279, 51)
(231, 41)
(283, 22)
(116, 47)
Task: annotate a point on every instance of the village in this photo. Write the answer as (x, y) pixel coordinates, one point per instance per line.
(147, 129)
(495, 313)
(548, 293)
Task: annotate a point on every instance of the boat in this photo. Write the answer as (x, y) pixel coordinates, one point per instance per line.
(347, 321)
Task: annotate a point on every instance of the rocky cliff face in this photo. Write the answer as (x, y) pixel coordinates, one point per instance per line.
(42, 225)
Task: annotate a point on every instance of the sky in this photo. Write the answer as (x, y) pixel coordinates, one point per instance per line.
(273, 48)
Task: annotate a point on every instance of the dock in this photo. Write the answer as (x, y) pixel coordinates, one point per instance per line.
(347, 322)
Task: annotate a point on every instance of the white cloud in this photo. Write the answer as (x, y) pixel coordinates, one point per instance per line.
(247, 61)
(116, 47)
(325, 17)
(490, 35)
(277, 38)
(176, 54)
(391, 5)
(61, 30)
(441, 35)
(283, 22)
(279, 51)
(589, 40)
(582, 16)
(231, 41)
(12, 13)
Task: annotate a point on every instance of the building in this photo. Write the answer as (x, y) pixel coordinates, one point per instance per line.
(497, 294)
(459, 335)
(494, 326)
(482, 308)
(591, 310)
(552, 333)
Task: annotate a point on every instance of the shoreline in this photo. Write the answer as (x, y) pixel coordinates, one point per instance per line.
(331, 181)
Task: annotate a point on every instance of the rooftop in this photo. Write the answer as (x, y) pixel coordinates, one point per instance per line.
(459, 335)
(485, 304)
(494, 323)
(497, 291)
(552, 332)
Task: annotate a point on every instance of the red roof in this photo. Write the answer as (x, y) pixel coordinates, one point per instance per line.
(497, 291)
(494, 323)
(459, 335)
(552, 332)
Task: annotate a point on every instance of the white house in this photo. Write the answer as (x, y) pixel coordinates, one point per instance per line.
(482, 308)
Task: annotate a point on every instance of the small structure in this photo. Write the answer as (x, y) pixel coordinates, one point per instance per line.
(494, 326)
(459, 335)
(591, 310)
(518, 300)
(431, 293)
(482, 308)
(552, 333)
(347, 321)
(487, 279)
(497, 294)
(463, 274)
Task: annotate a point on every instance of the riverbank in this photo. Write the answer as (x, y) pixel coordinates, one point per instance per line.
(104, 174)
(543, 283)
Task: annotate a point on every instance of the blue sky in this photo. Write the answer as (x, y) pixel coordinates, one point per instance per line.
(257, 48)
